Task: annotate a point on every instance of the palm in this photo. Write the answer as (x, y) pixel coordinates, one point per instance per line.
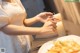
(44, 16)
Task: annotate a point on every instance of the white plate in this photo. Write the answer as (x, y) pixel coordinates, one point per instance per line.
(46, 46)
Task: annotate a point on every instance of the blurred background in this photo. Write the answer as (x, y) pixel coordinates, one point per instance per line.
(69, 10)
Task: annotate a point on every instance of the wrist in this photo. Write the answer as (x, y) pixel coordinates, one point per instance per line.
(41, 31)
(36, 19)
(38, 31)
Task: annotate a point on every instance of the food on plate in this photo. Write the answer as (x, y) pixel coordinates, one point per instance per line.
(69, 46)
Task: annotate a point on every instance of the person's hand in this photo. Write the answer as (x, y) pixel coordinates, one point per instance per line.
(49, 28)
(42, 17)
(57, 17)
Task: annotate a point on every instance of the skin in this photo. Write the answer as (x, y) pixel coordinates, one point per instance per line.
(8, 0)
(47, 29)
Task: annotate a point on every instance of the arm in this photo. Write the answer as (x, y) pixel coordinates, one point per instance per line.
(47, 29)
(30, 21)
(42, 17)
(20, 30)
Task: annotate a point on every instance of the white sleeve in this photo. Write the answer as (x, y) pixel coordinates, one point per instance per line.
(0, 3)
(19, 2)
(3, 18)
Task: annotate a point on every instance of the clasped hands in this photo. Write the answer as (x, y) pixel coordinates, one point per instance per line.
(49, 21)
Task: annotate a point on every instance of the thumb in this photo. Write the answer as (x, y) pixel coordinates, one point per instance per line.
(48, 19)
(48, 23)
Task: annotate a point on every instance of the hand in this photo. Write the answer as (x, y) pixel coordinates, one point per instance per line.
(42, 17)
(48, 28)
(8, 0)
(57, 17)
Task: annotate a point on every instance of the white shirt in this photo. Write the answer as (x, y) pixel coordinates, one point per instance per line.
(13, 13)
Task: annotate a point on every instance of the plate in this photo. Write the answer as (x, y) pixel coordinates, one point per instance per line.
(46, 46)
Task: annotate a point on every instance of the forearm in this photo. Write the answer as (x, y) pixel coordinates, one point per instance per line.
(20, 30)
(30, 21)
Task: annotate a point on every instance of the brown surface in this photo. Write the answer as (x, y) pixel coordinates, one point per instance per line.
(39, 42)
(71, 15)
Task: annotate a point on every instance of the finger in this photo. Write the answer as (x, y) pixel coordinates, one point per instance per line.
(11, 1)
(52, 20)
(48, 23)
(54, 29)
(48, 19)
(53, 13)
(49, 14)
(51, 27)
(57, 19)
(8, 0)
(57, 16)
(53, 23)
